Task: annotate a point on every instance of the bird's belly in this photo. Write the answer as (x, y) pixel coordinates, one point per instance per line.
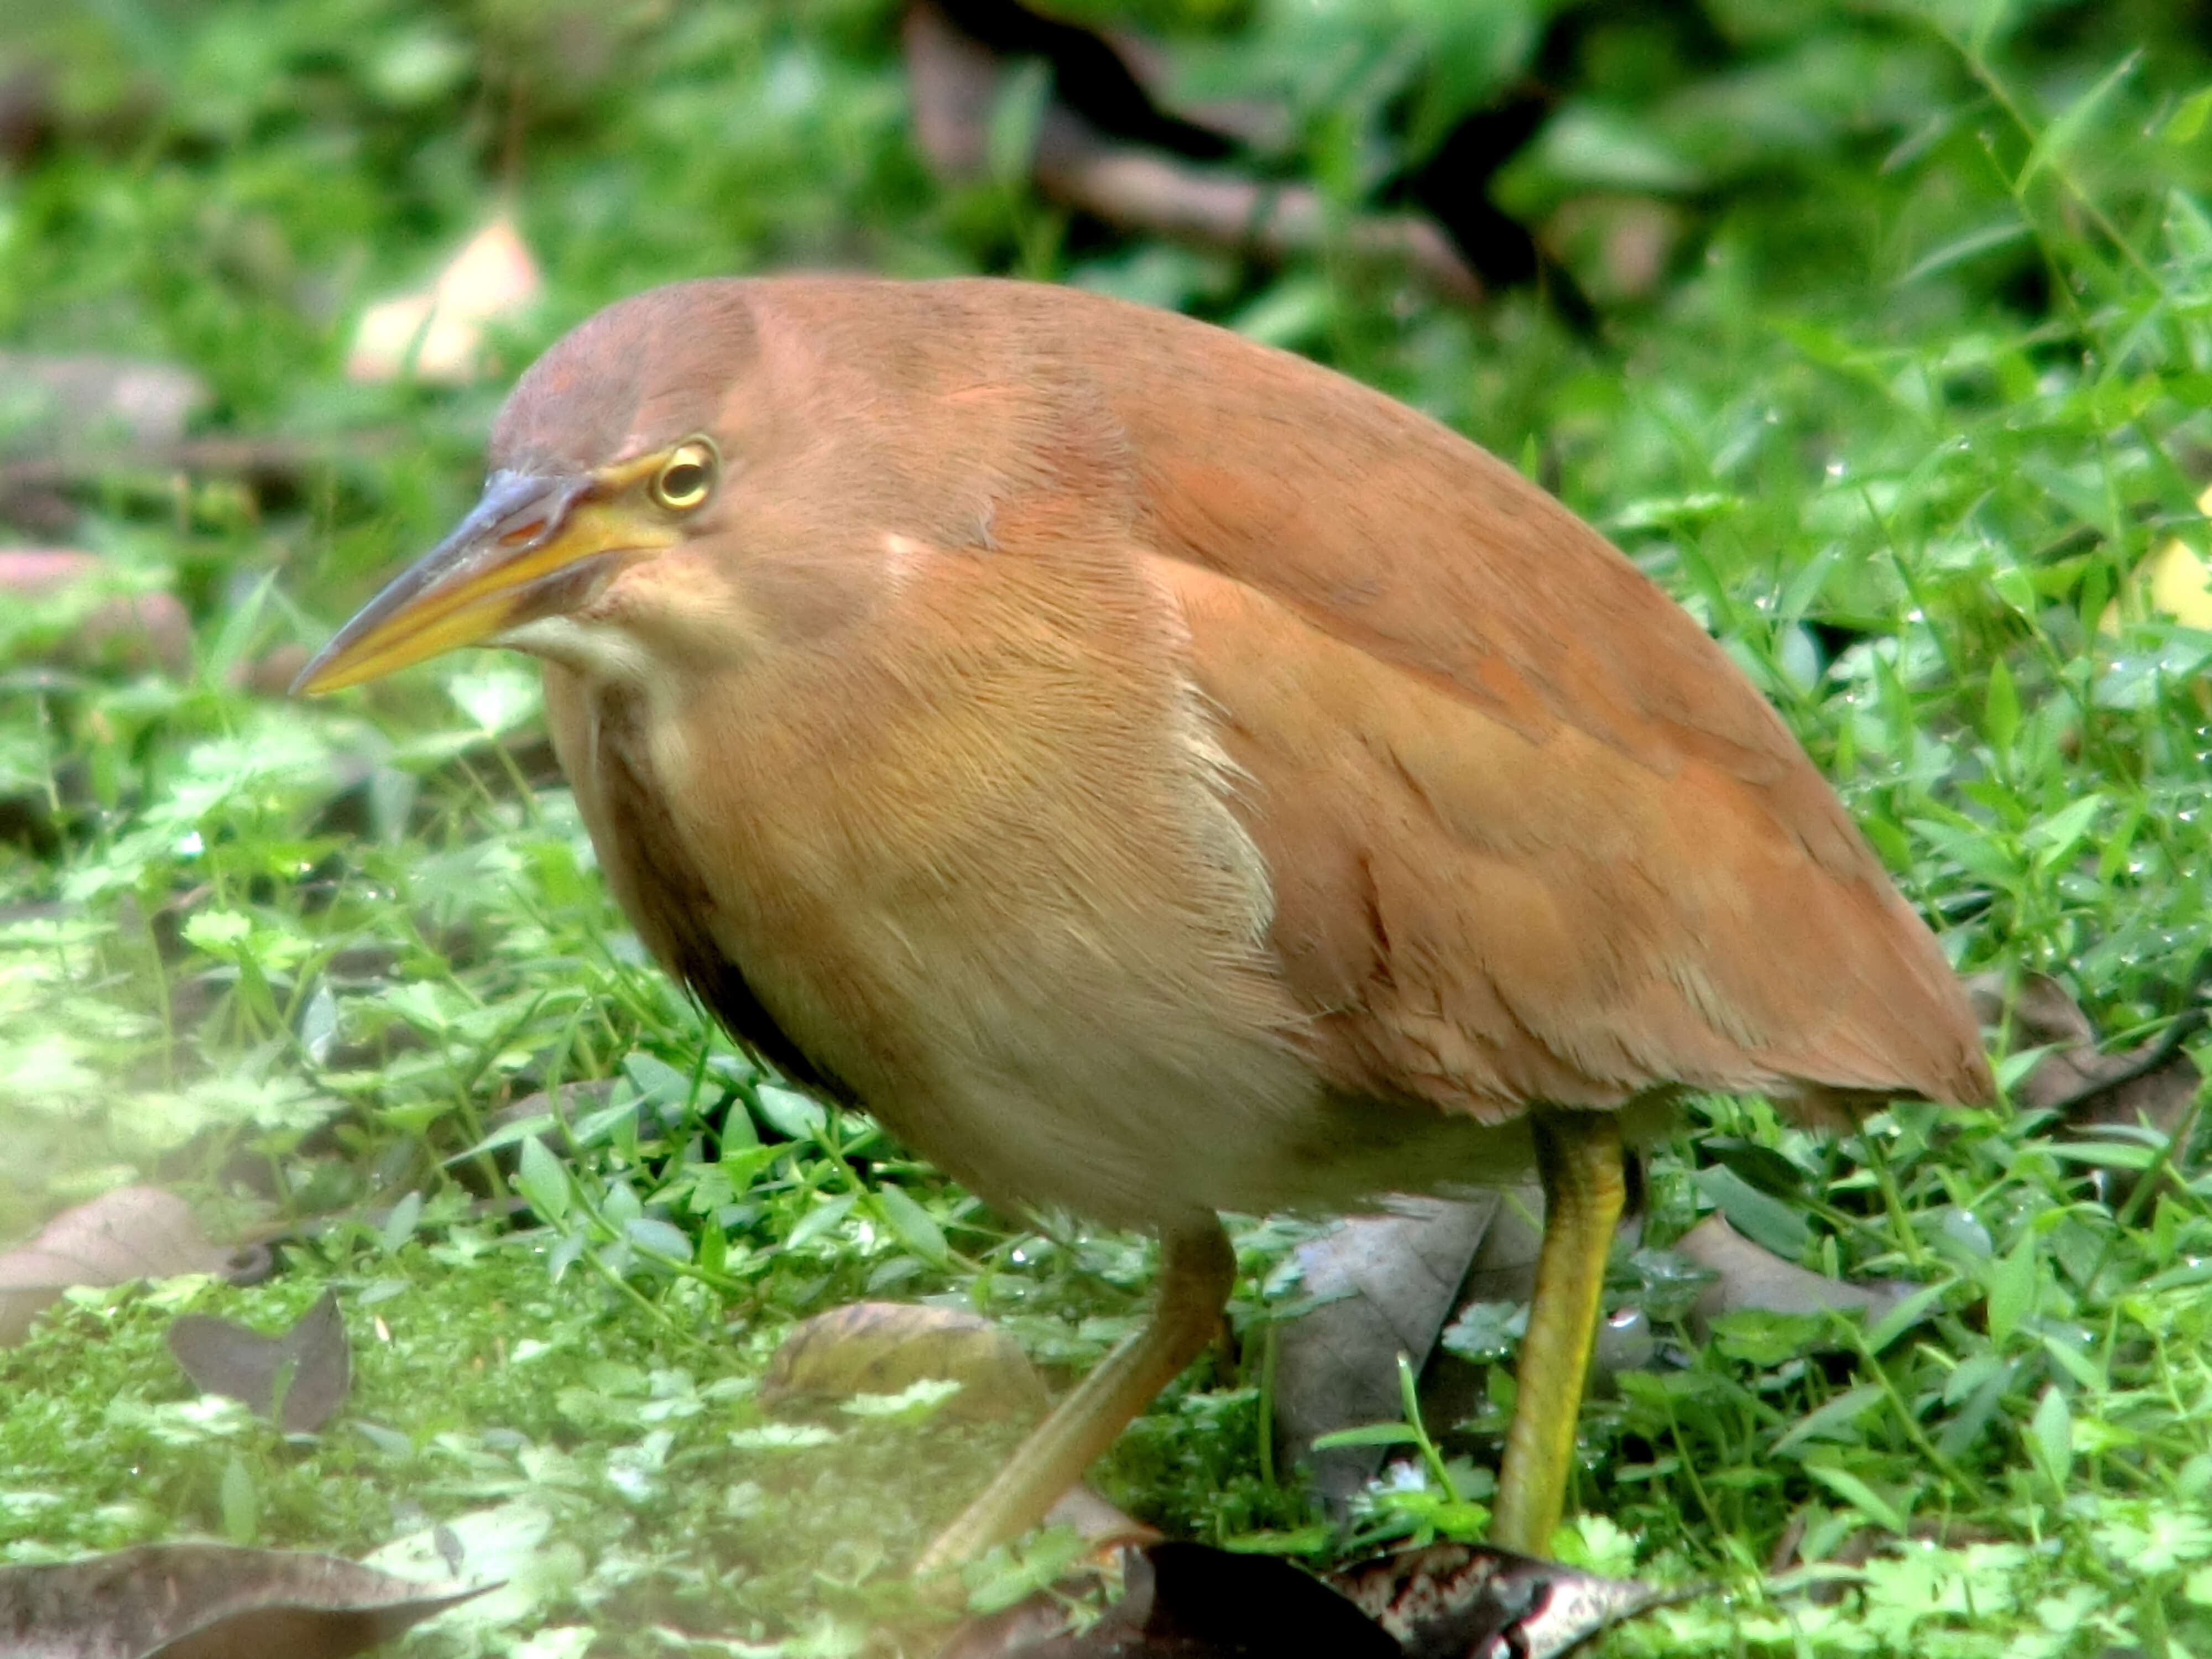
(1035, 1074)
(1040, 1040)
(1164, 1145)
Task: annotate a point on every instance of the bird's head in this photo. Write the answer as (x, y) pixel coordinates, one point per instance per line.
(607, 536)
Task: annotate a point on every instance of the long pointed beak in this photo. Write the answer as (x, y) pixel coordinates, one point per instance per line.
(531, 547)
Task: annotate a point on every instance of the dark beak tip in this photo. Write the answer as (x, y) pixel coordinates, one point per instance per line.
(304, 682)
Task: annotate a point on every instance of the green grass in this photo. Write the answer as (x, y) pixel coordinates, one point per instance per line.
(1930, 382)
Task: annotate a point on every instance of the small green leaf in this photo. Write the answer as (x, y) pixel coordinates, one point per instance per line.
(399, 1226)
(2060, 136)
(659, 1236)
(2075, 1363)
(2012, 1288)
(2188, 119)
(606, 1123)
(2055, 838)
(656, 1080)
(218, 932)
(1959, 249)
(541, 1181)
(918, 1401)
(1859, 1494)
(2001, 708)
(2051, 1436)
(2104, 1154)
(240, 1503)
(1905, 1315)
(915, 1226)
(1369, 1434)
(1836, 1420)
(2015, 587)
(815, 1222)
(1759, 1217)
(739, 1164)
(798, 1117)
(1765, 1337)
(782, 1437)
(507, 1133)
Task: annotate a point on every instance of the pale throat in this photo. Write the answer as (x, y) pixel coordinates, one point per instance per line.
(599, 652)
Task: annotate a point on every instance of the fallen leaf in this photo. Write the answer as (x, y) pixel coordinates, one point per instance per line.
(1377, 1285)
(132, 1232)
(1825, 1586)
(53, 405)
(1621, 245)
(439, 335)
(29, 112)
(1192, 1601)
(271, 674)
(1188, 1601)
(1096, 1520)
(1380, 1286)
(208, 1601)
(1748, 1278)
(2175, 580)
(132, 629)
(886, 1347)
(2154, 1082)
(1461, 1600)
(297, 1380)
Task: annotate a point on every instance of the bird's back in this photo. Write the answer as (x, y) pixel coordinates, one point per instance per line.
(1531, 835)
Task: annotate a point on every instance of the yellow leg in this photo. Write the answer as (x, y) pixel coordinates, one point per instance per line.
(1197, 1272)
(1578, 1156)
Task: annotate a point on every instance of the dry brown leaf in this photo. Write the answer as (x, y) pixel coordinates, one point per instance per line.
(208, 1601)
(271, 674)
(59, 405)
(1391, 1284)
(440, 334)
(1863, 1545)
(298, 1379)
(1455, 1600)
(1383, 1285)
(132, 1232)
(884, 1347)
(1749, 1277)
(1186, 1601)
(1096, 1520)
(2174, 581)
(1618, 246)
(135, 630)
(2154, 1082)
(1192, 1601)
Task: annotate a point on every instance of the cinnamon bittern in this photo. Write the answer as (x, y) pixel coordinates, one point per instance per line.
(1156, 775)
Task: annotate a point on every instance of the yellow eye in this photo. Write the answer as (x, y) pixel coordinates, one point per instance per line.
(687, 478)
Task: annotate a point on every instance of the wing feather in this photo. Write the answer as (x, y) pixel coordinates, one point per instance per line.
(1485, 918)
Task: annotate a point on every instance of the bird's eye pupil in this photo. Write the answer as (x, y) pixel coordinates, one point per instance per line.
(682, 483)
